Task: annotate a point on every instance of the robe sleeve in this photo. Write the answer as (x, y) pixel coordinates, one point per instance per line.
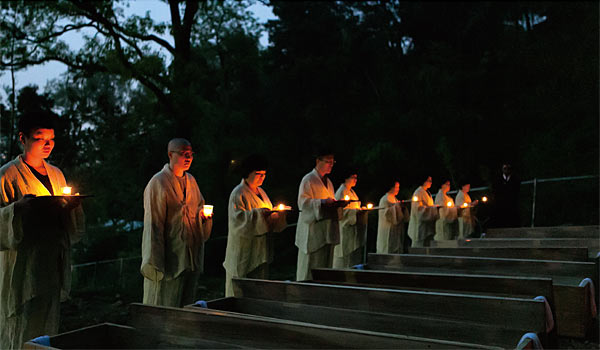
(205, 226)
(11, 230)
(153, 240)
(390, 213)
(349, 216)
(423, 212)
(247, 221)
(308, 204)
(280, 223)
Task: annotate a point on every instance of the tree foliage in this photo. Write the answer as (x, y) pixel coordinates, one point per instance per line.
(396, 88)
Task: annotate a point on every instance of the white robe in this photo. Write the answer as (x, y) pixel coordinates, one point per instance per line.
(422, 216)
(390, 228)
(466, 221)
(446, 226)
(35, 262)
(353, 225)
(317, 225)
(174, 232)
(247, 244)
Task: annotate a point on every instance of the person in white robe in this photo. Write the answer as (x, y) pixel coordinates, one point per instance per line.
(446, 227)
(466, 218)
(391, 229)
(317, 231)
(36, 234)
(353, 226)
(423, 213)
(175, 229)
(250, 217)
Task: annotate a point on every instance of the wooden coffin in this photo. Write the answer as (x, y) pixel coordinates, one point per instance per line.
(566, 254)
(474, 319)
(154, 327)
(249, 331)
(572, 303)
(114, 336)
(503, 286)
(590, 232)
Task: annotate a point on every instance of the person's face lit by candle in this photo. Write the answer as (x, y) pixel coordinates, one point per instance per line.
(38, 145)
(180, 156)
(256, 178)
(351, 181)
(466, 188)
(325, 164)
(427, 183)
(395, 189)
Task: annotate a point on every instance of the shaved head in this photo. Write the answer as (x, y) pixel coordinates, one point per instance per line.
(177, 144)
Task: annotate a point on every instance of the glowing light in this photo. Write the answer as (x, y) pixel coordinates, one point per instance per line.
(449, 204)
(346, 197)
(415, 198)
(280, 207)
(465, 205)
(207, 210)
(484, 199)
(66, 191)
(369, 206)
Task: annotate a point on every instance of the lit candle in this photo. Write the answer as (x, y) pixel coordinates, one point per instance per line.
(369, 206)
(346, 197)
(415, 198)
(207, 210)
(449, 204)
(280, 207)
(465, 205)
(66, 191)
(484, 199)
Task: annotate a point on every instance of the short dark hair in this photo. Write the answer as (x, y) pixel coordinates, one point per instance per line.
(464, 181)
(388, 182)
(252, 163)
(33, 120)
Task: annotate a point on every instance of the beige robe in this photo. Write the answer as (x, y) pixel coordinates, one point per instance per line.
(445, 227)
(35, 263)
(353, 227)
(318, 226)
(247, 244)
(173, 238)
(421, 226)
(390, 228)
(466, 221)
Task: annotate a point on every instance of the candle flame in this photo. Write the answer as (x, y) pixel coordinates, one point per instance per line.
(449, 204)
(369, 206)
(415, 198)
(465, 205)
(484, 199)
(207, 210)
(280, 207)
(66, 191)
(346, 197)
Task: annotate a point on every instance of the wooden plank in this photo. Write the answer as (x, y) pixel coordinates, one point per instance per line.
(559, 253)
(262, 332)
(504, 286)
(478, 334)
(592, 244)
(566, 277)
(114, 336)
(564, 272)
(592, 232)
(508, 313)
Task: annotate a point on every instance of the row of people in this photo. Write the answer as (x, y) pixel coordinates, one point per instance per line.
(36, 233)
